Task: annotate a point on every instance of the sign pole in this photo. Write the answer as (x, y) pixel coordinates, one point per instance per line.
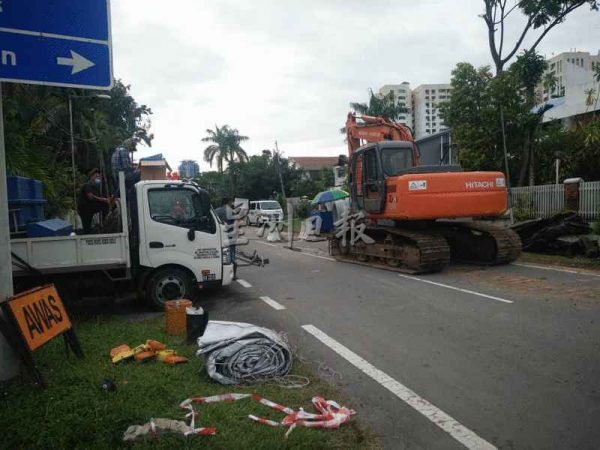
(8, 362)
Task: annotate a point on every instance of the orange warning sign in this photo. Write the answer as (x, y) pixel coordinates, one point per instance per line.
(40, 315)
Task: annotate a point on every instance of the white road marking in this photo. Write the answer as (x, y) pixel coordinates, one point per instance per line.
(272, 303)
(447, 286)
(454, 428)
(557, 269)
(244, 283)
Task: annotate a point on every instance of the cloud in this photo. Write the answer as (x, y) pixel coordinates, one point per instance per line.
(287, 71)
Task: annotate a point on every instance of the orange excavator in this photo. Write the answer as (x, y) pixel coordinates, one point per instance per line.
(420, 217)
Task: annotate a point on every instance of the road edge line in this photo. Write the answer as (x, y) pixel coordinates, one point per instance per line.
(447, 286)
(441, 419)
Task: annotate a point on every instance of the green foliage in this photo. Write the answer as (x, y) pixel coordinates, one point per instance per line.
(326, 179)
(225, 146)
(578, 153)
(386, 106)
(303, 209)
(37, 134)
(473, 113)
(258, 179)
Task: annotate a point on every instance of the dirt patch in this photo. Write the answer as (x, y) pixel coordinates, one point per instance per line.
(540, 286)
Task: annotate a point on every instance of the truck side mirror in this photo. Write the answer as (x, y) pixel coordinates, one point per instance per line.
(191, 234)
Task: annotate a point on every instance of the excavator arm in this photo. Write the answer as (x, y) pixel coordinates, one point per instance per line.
(374, 129)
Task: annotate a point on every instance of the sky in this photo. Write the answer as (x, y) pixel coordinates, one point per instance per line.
(286, 71)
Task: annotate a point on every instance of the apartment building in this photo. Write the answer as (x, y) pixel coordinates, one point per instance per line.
(573, 73)
(403, 96)
(426, 100)
(570, 69)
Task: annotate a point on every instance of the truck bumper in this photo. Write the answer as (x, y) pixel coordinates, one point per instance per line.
(227, 274)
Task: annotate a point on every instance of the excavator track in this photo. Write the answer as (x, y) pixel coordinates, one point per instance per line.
(395, 249)
(480, 242)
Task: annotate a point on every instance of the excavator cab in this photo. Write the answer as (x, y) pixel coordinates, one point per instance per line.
(371, 164)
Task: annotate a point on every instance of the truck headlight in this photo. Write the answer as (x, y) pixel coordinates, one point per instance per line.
(226, 256)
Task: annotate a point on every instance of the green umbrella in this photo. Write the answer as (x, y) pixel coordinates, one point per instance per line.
(329, 196)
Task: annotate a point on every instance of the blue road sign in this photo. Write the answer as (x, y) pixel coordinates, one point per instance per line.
(56, 42)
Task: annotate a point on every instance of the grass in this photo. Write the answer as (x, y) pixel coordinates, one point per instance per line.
(74, 412)
(557, 260)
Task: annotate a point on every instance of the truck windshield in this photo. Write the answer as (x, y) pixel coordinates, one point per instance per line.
(396, 160)
(269, 205)
(179, 207)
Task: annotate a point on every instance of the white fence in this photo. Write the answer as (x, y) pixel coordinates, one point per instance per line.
(537, 201)
(589, 200)
(543, 201)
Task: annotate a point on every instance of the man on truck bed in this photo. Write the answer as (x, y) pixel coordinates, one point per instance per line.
(120, 161)
(90, 200)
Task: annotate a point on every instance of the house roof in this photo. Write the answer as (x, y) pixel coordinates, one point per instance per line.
(314, 162)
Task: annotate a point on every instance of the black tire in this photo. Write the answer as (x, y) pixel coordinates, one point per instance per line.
(169, 283)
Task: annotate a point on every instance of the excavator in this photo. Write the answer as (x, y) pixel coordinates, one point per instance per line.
(419, 217)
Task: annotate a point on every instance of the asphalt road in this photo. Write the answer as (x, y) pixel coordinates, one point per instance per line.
(505, 357)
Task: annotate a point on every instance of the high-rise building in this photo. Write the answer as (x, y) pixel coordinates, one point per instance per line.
(570, 69)
(402, 94)
(426, 101)
(189, 169)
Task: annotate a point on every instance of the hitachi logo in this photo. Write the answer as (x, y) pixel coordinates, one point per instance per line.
(479, 184)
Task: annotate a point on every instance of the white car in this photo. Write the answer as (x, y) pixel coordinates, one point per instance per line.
(263, 211)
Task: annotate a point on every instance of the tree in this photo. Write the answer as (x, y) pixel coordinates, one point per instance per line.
(225, 146)
(385, 106)
(473, 114)
(539, 15)
(549, 81)
(590, 98)
(37, 134)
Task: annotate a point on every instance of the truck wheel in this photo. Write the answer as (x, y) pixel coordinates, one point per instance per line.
(170, 283)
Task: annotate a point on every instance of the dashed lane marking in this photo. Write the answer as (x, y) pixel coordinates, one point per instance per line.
(244, 283)
(272, 303)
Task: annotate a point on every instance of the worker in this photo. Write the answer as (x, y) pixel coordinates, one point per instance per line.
(120, 161)
(91, 200)
(226, 213)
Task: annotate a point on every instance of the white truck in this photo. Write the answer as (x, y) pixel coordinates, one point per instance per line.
(171, 242)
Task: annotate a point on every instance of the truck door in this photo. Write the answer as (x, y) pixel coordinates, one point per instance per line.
(181, 229)
(374, 184)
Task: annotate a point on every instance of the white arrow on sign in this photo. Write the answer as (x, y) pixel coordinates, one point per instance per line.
(76, 61)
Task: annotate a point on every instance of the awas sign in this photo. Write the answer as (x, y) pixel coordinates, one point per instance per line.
(40, 315)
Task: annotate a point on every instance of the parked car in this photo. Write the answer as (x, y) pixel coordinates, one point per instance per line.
(263, 211)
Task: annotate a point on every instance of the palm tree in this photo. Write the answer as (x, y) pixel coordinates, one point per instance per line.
(549, 82)
(590, 98)
(225, 146)
(385, 106)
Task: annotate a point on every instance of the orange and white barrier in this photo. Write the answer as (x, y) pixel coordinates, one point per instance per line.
(329, 414)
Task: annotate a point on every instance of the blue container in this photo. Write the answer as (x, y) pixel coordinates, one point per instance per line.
(36, 189)
(327, 220)
(25, 211)
(18, 188)
(22, 188)
(47, 228)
